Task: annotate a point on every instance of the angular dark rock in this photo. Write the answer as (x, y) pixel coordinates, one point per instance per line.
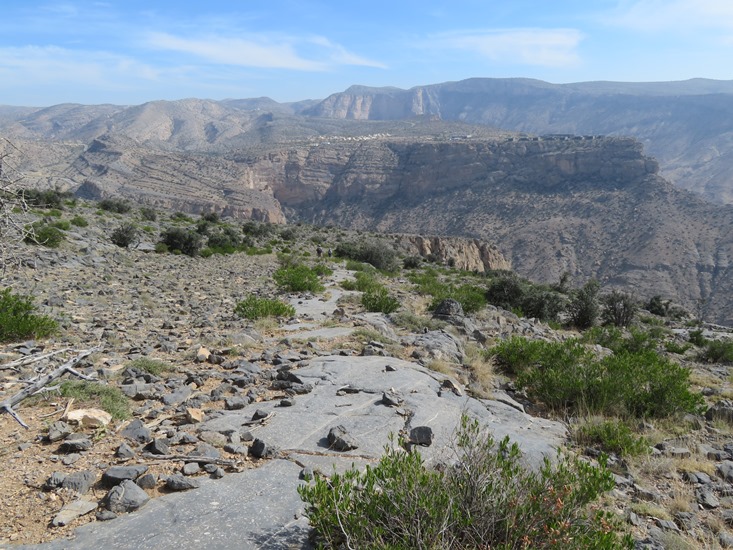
(125, 497)
(124, 451)
(340, 440)
(58, 431)
(158, 446)
(55, 480)
(204, 450)
(75, 443)
(117, 474)
(79, 482)
(136, 431)
(421, 435)
(147, 481)
(260, 449)
(178, 482)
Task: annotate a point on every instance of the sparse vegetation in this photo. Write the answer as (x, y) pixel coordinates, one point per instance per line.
(44, 235)
(79, 221)
(151, 366)
(254, 307)
(108, 398)
(611, 436)
(298, 278)
(378, 299)
(19, 319)
(125, 234)
(118, 206)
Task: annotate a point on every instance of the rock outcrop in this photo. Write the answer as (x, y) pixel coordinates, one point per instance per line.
(467, 254)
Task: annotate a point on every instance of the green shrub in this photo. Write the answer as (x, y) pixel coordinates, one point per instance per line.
(257, 229)
(299, 278)
(657, 306)
(253, 307)
(118, 206)
(412, 262)
(697, 338)
(675, 347)
(378, 253)
(55, 212)
(151, 366)
(19, 320)
(378, 299)
(161, 248)
(45, 235)
(289, 234)
(583, 308)
(49, 198)
(108, 398)
(256, 251)
(567, 377)
(471, 297)
(63, 225)
(362, 282)
(612, 436)
(125, 235)
(181, 217)
(416, 323)
(718, 351)
(183, 240)
(148, 214)
(488, 500)
(211, 217)
(633, 341)
(619, 308)
(79, 221)
(353, 265)
(322, 270)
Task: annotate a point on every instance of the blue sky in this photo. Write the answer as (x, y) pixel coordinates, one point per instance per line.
(129, 52)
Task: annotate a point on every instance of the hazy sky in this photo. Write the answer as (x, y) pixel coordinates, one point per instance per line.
(129, 52)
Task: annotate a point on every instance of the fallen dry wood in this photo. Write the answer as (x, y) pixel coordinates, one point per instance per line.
(187, 458)
(42, 381)
(14, 365)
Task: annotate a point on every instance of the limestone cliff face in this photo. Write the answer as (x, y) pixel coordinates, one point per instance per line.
(468, 254)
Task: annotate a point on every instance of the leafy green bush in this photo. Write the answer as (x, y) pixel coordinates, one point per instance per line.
(657, 306)
(79, 221)
(567, 377)
(184, 240)
(181, 217)
(253, 307)
(583, 308)
(124, 235)
(108, 398)
(49, 198)
(471, 297)
(412, 262)
(676, 347)
(612, 436)
(697, 338)
(298, 278)
(19, 320)
(375, 252)
(362, 282)
(118, 206)
(211, 217)
(633, 341)
(322, 270)
(257, 229)
(718, 351)
(416, 323)
(148, 214)
(63, 225)
(44, 234)
(378, 299)
(619, 308)
(151, 366)
(488, 500)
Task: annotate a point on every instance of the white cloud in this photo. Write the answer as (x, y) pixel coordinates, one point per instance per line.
(540, 47)
(261, 51)
(672, 15)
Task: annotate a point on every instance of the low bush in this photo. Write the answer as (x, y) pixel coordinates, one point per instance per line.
(695, 337)
(489, 499)
(718, 351)
(148, 214)
(632, 341)
(183, 240)
(108, 398)
(118, 206)
(19, 320)
(472, 298)
(512, 293)
(676, 347)
(416, 323)
(79, 221)
(380, 254)
(584, 308)
(412, 262)
(567, 377)
(619, 308)
(362, 282)
(181, 217)
(49, 198)
(298, 278)
(44, 234)
(63, 225)
(257, 229)
(125, 235)
(378, 299)
(253, 307)
(322, 270)
(612, 436)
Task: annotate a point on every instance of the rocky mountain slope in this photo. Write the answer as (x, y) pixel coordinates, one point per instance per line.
(240, 411)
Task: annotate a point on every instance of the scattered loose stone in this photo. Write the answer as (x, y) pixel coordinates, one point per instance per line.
(79, 482)
(70, 459)
(125, 497)
(340, 440)
(260, 449)
(190, 468)
(136, 431)
(158, 446)
(236, 449)
(204, 450)
(73, 510)
(147, 481)
(105, 515)
(124, 451)
(75, 443)
(54, 481)
(421, 435)
(392, 398)
(118, 474)
(177, 482)
(58, 431)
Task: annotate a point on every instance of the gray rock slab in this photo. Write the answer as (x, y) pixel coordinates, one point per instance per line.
(305, 427)
(249, 511)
